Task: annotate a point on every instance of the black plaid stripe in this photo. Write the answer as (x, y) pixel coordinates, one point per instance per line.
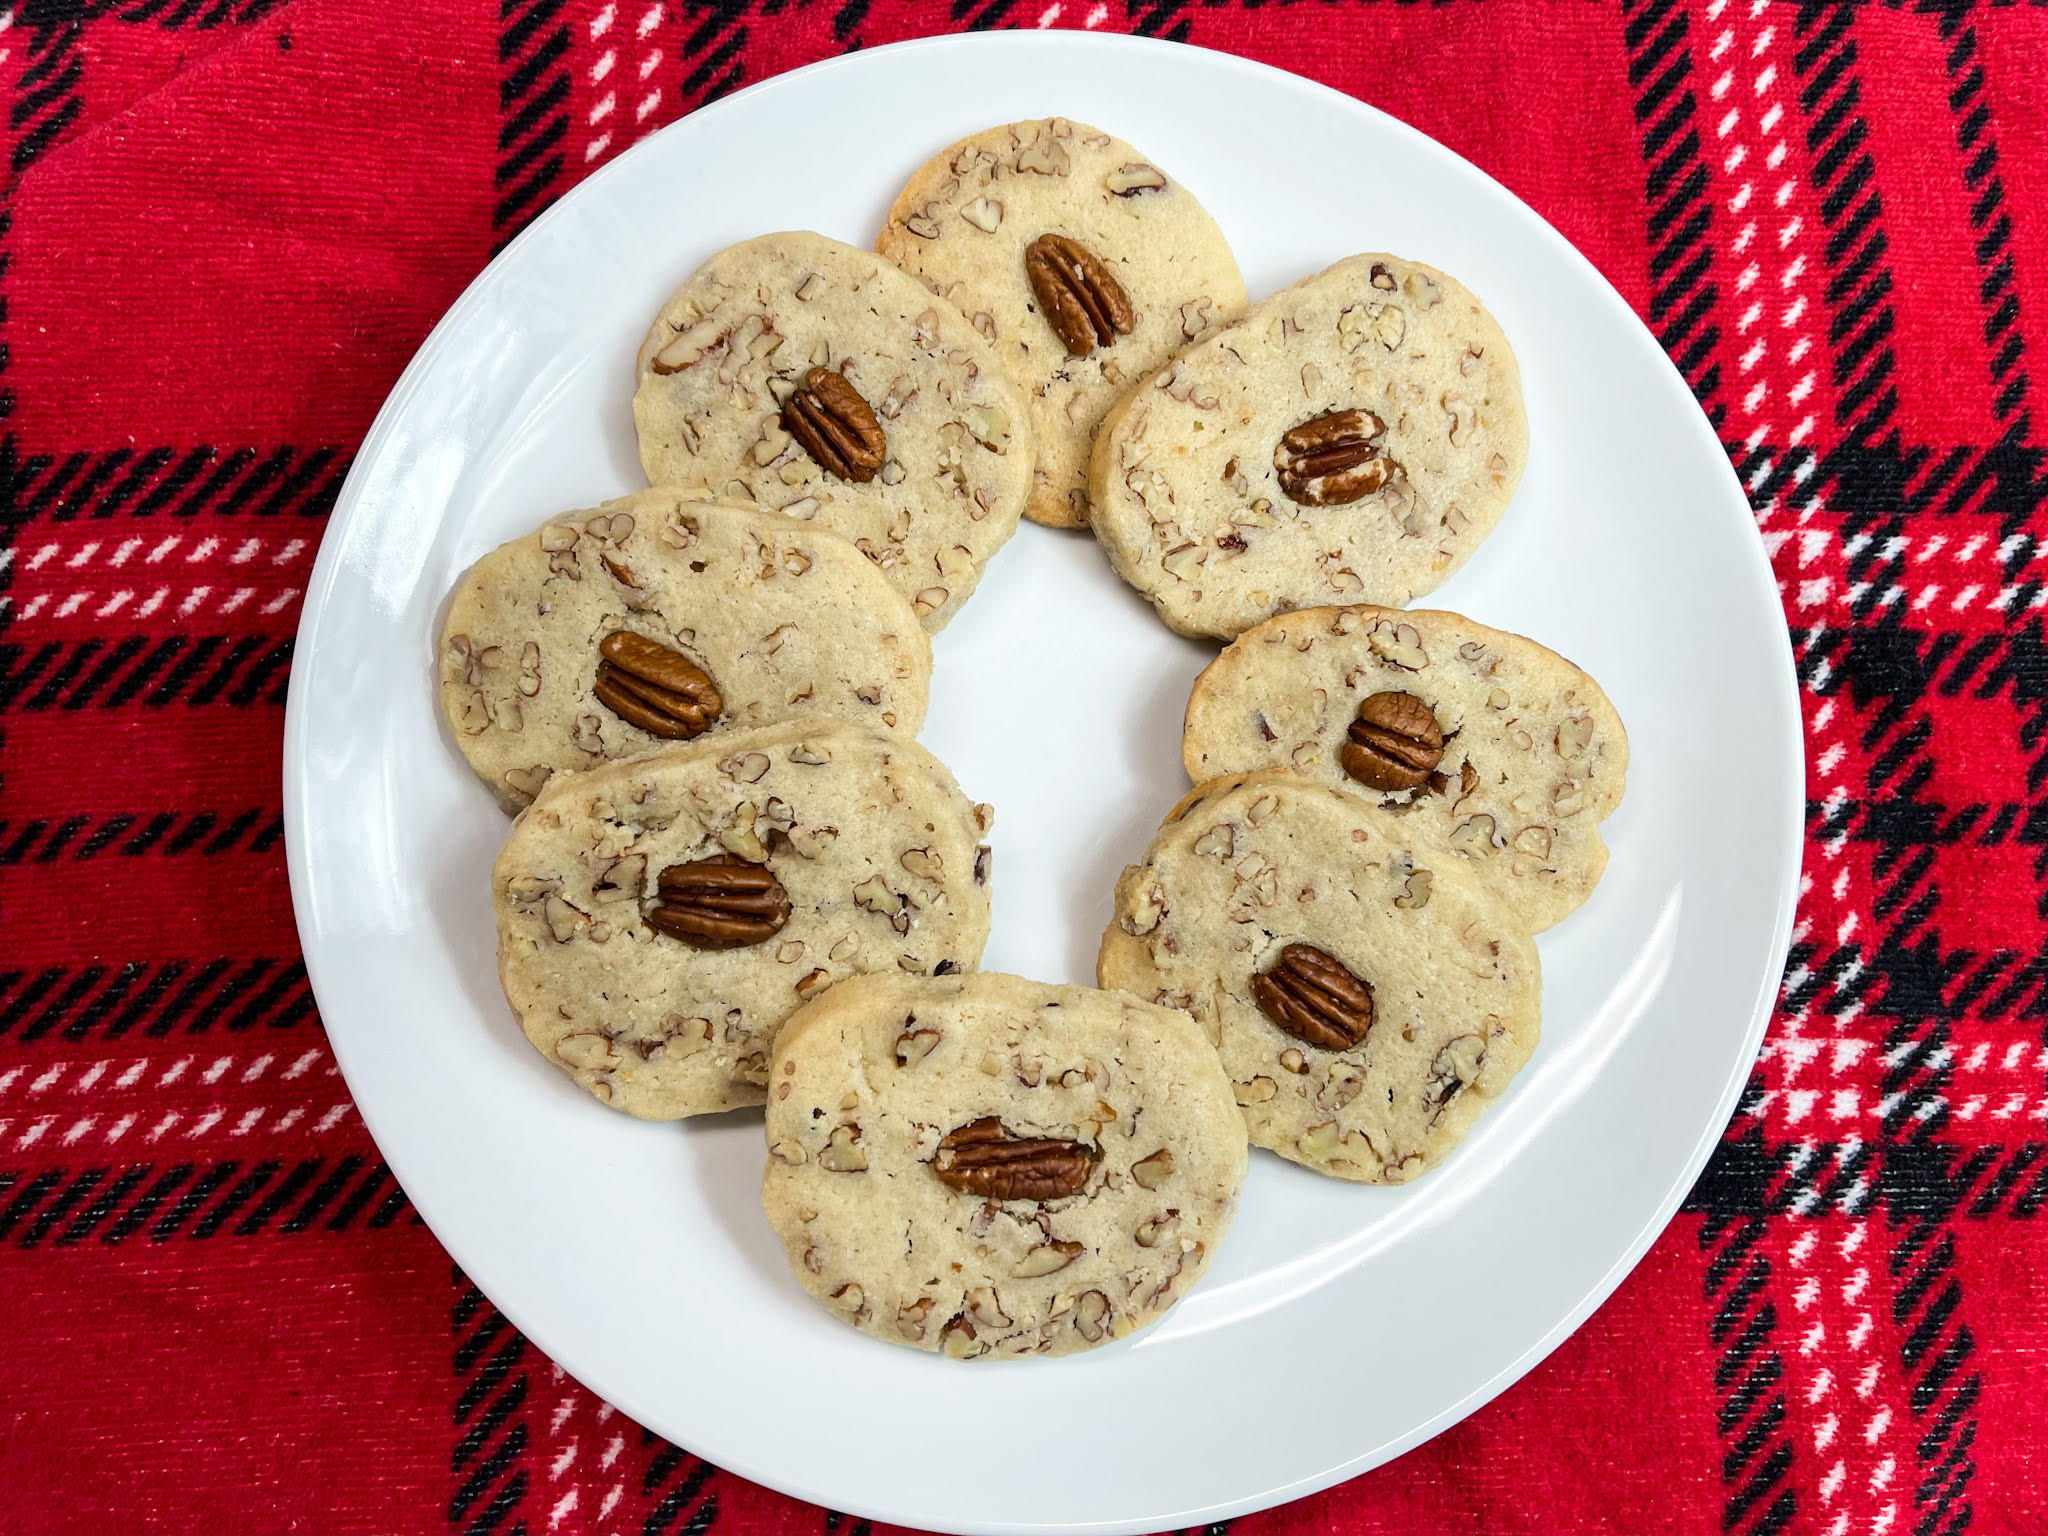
(169, 482)
(1931, 1180)
(712, 63)
(1922, 1181)
(491, 1369)
(151, 670)
(1749, 1373)
(158, 1202)
(1683, 297)
(1148, 18)
(1860, 285)
(1977, 138)
(47, 91)
(134, 834)
(1935, 1349)
(685, 1500)
(198, 15)
(533, 100)
(107, 1002)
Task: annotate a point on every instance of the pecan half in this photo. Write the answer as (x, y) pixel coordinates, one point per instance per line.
(1080, 297)
(719, 903)
(981, 1158)
(1331, 460)
(1395, 743)
(1314, 998)
(836, 426)
(662, 691)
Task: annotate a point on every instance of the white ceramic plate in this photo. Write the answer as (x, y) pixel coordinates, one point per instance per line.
(1338, 1325)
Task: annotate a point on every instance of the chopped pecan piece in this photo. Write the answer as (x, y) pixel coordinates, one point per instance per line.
(1454, 1068)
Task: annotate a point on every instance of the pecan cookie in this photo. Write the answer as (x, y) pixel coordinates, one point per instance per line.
(819, 381)
(1488, 745)
(1369, 998)
(660, 917)
(1085, 264)
(1351, 439)
(659, 618)
(995, 1167)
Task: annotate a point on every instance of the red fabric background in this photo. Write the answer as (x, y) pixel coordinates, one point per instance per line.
(227, 225)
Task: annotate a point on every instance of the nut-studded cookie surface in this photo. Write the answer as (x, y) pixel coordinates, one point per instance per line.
(1350, 439)
(996, 1168)
(1083, 261)
(1491, 747)
(659, 618)
(1369, 999)
(818, 381)
(659, 918)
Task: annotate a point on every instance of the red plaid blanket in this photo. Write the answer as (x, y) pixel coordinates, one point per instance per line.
(226, 226)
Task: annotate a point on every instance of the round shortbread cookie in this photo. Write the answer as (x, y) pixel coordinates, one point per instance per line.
(1516, 762)
(1351, 439)
(1414, 996)
(661, 917)
(778, 619)
(970, 218)
(995, 1167)
(926, 443)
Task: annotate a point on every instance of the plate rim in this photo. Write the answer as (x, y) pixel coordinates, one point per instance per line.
(1785, 705)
